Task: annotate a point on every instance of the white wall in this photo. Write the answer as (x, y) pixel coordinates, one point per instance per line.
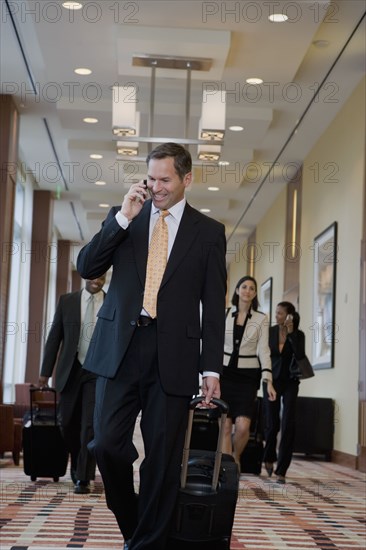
(342, 147)
(270, 238)
(271, 233)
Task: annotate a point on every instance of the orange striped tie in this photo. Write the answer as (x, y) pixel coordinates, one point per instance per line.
(156, 263)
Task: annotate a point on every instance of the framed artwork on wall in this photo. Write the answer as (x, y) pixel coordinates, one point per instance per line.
(324, 328)
(265, 299)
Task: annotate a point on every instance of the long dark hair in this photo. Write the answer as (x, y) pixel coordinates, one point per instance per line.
(290, 310)
(235, 298)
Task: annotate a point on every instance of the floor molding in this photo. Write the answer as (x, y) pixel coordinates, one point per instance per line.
(344, 459)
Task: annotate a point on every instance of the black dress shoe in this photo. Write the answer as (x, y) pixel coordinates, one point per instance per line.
(82, 487)
(73, 476)
(281, 480)
(269, 468)
(126, 545)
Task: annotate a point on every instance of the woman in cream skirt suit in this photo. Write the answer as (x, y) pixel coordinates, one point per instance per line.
(246, 361)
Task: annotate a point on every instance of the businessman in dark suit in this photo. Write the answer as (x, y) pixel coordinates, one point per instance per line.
(65, 349)
(150, 362)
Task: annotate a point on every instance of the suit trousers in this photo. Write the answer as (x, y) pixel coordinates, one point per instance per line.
(77, 409)
(287, 391)
(144, 518)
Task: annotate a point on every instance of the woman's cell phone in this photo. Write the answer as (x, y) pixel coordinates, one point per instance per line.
(145, 184)
(289, 318)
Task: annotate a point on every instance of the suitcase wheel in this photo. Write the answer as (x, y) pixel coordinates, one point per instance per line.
(56, 479)
(33, 478)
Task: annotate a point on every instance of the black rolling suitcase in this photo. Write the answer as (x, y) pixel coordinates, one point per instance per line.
(44, 451)
(252, 456)
(205, 509)
(205, 428)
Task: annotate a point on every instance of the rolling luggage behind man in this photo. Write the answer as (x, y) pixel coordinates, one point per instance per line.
(66, 347)
(44, 451)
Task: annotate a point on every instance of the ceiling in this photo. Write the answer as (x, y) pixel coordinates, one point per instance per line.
(310, 65)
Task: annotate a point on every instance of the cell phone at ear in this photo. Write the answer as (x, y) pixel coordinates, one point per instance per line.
(148, 189)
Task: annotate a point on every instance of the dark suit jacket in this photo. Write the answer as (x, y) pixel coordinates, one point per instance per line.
(195, 271)
(63, 339)
(294, 344)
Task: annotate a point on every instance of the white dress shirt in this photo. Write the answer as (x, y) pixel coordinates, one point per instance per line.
(98, 301)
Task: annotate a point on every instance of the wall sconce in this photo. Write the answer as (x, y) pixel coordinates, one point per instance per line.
(124, 119)
(294, 224)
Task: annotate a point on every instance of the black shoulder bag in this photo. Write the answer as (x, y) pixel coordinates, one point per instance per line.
(301, 368)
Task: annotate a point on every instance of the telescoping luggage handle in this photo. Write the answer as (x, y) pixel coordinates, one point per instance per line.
(32, 391)
(224, 408)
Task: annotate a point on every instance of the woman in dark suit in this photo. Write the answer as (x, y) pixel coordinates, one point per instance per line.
(285, 342)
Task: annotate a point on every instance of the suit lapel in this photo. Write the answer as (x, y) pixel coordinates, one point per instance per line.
(186, 235)
(72, 312)
(75, 310)
(139, 231)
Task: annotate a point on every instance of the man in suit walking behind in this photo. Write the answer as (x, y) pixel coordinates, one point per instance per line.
(66, 347)
(149, 344)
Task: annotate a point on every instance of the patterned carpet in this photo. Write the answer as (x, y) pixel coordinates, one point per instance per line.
(321, 507)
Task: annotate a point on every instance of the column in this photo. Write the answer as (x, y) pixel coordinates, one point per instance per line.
(63, 280)
(9, 132)
(40, 258)
(76, 281)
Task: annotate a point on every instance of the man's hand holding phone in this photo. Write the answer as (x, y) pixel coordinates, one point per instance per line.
(134, 200)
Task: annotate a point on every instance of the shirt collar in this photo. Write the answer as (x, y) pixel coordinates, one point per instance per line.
(85, 295)
(176, 211)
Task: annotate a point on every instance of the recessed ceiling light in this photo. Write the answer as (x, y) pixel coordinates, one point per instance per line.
(100, 183)
(254, 81)
(278, 17)
(236, 128)
(213, 188)
(223, 162)
(205, 210)
(83, 71)
(90, 120)
(72, 5)
(95, 156)
(103, 205)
